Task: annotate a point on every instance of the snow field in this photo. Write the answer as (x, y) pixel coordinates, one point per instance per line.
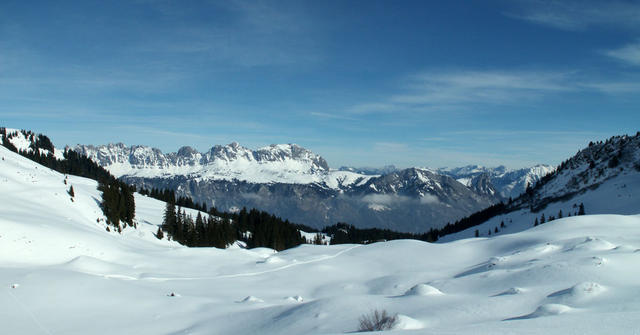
(61, 272)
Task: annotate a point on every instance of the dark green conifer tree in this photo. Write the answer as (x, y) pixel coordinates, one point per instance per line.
(200, 239)
(170, 219)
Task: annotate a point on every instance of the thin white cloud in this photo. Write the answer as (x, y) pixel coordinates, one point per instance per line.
(331, 116)
(629, 53)
(502, 133)
(466, 90)
(577, 15)
(432, 91)
(434, 139)
(614, 87)
(481, 86)
(429, 199)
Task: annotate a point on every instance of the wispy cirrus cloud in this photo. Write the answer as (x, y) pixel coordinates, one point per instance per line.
(577, 15)
(331, 116)
(629, 53)
(458, 89)
(465, 90)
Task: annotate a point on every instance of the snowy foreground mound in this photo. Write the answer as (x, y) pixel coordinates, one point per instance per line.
(63, 273)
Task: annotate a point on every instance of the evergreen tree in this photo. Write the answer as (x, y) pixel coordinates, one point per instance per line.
(560, 214)
(477, 233)
(71, 192)
(160, 234)
(200, 239)
(535, 223)
(178, 235)
(542, 219)
(169, 223)
(581, 210)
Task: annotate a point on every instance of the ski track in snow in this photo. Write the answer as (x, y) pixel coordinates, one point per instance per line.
(27, 311)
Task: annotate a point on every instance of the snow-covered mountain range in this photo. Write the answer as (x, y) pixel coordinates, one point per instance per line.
(285, 163)
(297, 184)
(278, 163)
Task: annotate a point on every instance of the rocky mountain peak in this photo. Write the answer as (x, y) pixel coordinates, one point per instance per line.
(187, 151)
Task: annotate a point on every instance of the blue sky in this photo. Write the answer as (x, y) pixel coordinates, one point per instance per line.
(362, 83)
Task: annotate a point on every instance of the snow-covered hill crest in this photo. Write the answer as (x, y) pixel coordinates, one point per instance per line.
(590, 167)
(603, 178)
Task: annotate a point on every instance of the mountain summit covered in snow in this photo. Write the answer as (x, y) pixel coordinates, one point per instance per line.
(288, 163)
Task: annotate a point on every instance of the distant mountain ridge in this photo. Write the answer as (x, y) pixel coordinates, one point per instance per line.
(507, 183)
(275, 163)
(297, 184)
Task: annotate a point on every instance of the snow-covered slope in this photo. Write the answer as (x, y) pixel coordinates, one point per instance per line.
(62, 273)
(604, 177)
(36, 209)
